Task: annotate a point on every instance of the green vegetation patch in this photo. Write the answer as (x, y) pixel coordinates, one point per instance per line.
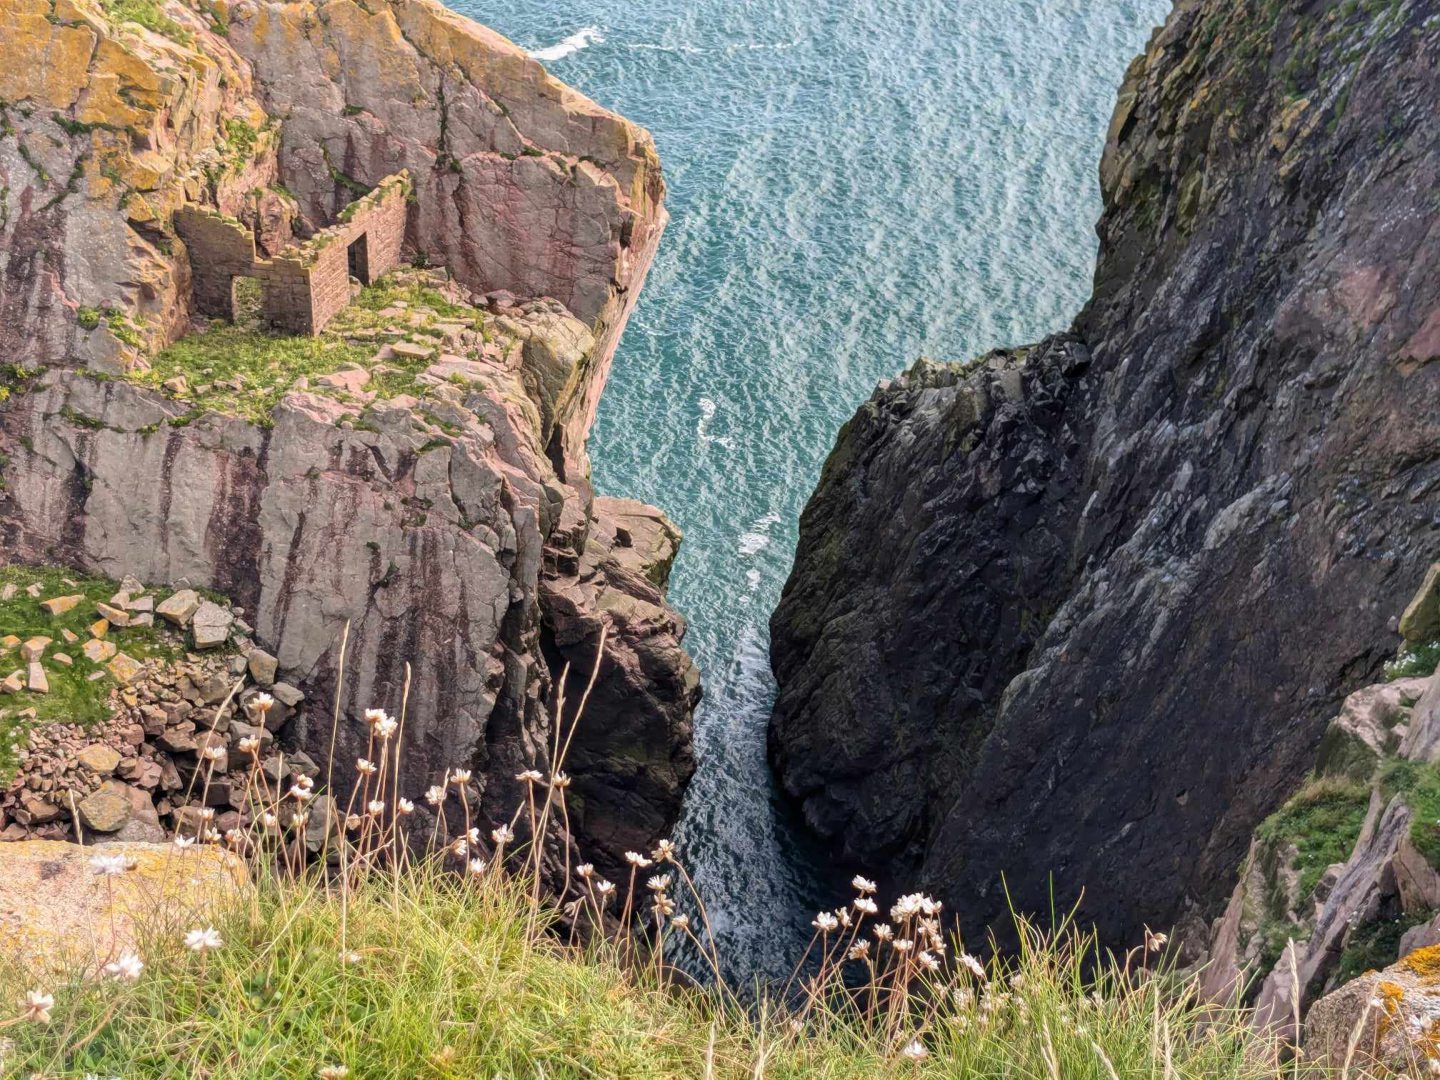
(73, 698)
(1375, 945)
(1323, 820)
(149, 14)
(1415, 661)
(244, 371)
(1419, 782)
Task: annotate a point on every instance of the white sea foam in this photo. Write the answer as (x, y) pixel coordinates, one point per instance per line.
(702, 429)
(589, 35)
(757, 537)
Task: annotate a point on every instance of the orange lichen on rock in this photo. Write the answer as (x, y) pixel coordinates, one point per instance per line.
(1424, 962)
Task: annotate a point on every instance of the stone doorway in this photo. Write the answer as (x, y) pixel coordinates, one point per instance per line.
(247, 302)
(359, 256)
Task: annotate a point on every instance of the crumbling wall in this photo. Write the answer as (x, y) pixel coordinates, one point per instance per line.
(308, 284)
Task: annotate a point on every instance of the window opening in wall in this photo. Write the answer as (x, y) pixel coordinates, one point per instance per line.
(360, 259)
(247, 302)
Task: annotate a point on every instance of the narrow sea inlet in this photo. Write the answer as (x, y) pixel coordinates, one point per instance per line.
(852, 185)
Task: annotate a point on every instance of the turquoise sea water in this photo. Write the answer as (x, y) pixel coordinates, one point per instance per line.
(852, 185)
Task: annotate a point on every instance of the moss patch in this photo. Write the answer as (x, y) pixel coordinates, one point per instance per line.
(244, 371)
(1323, 821)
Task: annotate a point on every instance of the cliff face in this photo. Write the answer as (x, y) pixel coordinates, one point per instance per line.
(1082, 609)
(436, 495)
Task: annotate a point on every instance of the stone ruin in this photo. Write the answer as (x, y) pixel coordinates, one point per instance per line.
(304, 286)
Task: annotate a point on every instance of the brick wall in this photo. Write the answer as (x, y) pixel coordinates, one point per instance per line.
(308, 284)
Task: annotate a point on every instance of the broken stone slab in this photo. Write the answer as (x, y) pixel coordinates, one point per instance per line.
(144, 618)
(13, 683)
(113, 615)
(180, 607)
(33, 810)
(8, 642)
(124, 668)
(70, 636)
(210, 625)
(99, 759)
(106, 810)
(58, 605)
(262, 667)
(97, 651)
(63, 659)
(99, 628)
(141, 603)
(176, 387)
(34, 648)
(287, 695)
(411, 350)
(349, 379)
(36, 680)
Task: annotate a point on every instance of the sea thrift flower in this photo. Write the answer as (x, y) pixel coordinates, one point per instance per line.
(405, 806)
(262, 703)
(298, 793)
(659, 883)
(903, 945)
(864, 886)
(477, 867)
(604, 888)
(664, 850)
(530, 776)
(386, 728)
(1154, 942)
(184, 841)
(972, 965)
(680, 922)
(248, 745)
(825, 922)
(634, 858)
(866, 906)
(353, 822)
(375, 807)
(268, 820)
(860, 950)
(460, 777)
(928, 962)
(914, 1051)
(460, 846)
(560, 780)
(502, 835)
(126, 968)
(883, 932)
(38, 1006)
(201, 941)
(111, 865)
(585, 870)
(364, 767)
(213, 754)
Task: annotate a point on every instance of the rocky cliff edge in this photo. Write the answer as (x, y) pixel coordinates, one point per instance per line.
(418, 473)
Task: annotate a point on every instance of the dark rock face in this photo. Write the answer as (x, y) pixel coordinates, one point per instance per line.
(1082, 609)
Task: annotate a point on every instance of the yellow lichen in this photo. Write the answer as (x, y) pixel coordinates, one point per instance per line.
(1424, 962)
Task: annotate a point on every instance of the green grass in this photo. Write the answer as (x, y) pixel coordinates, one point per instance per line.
(1375, 945)
(1323, 821)
(267, 364)
(72, 697)
(451, 983)
(149, 14)
(1418, 660)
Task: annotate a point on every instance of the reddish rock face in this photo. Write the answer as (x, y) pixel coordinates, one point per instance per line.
(1076, 613)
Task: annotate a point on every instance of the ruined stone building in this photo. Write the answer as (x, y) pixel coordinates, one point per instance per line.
(304, 286)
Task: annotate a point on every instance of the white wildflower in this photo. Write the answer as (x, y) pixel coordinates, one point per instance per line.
(502, 835)
(863, 885)
(914, 1051)
(126, 967)
(201, 941)
(825, 922)
(38, 1006)
(111, 865)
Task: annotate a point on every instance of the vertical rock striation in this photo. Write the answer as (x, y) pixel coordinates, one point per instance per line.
(1081, 609)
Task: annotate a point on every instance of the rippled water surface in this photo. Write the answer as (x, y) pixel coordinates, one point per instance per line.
(852, 184)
